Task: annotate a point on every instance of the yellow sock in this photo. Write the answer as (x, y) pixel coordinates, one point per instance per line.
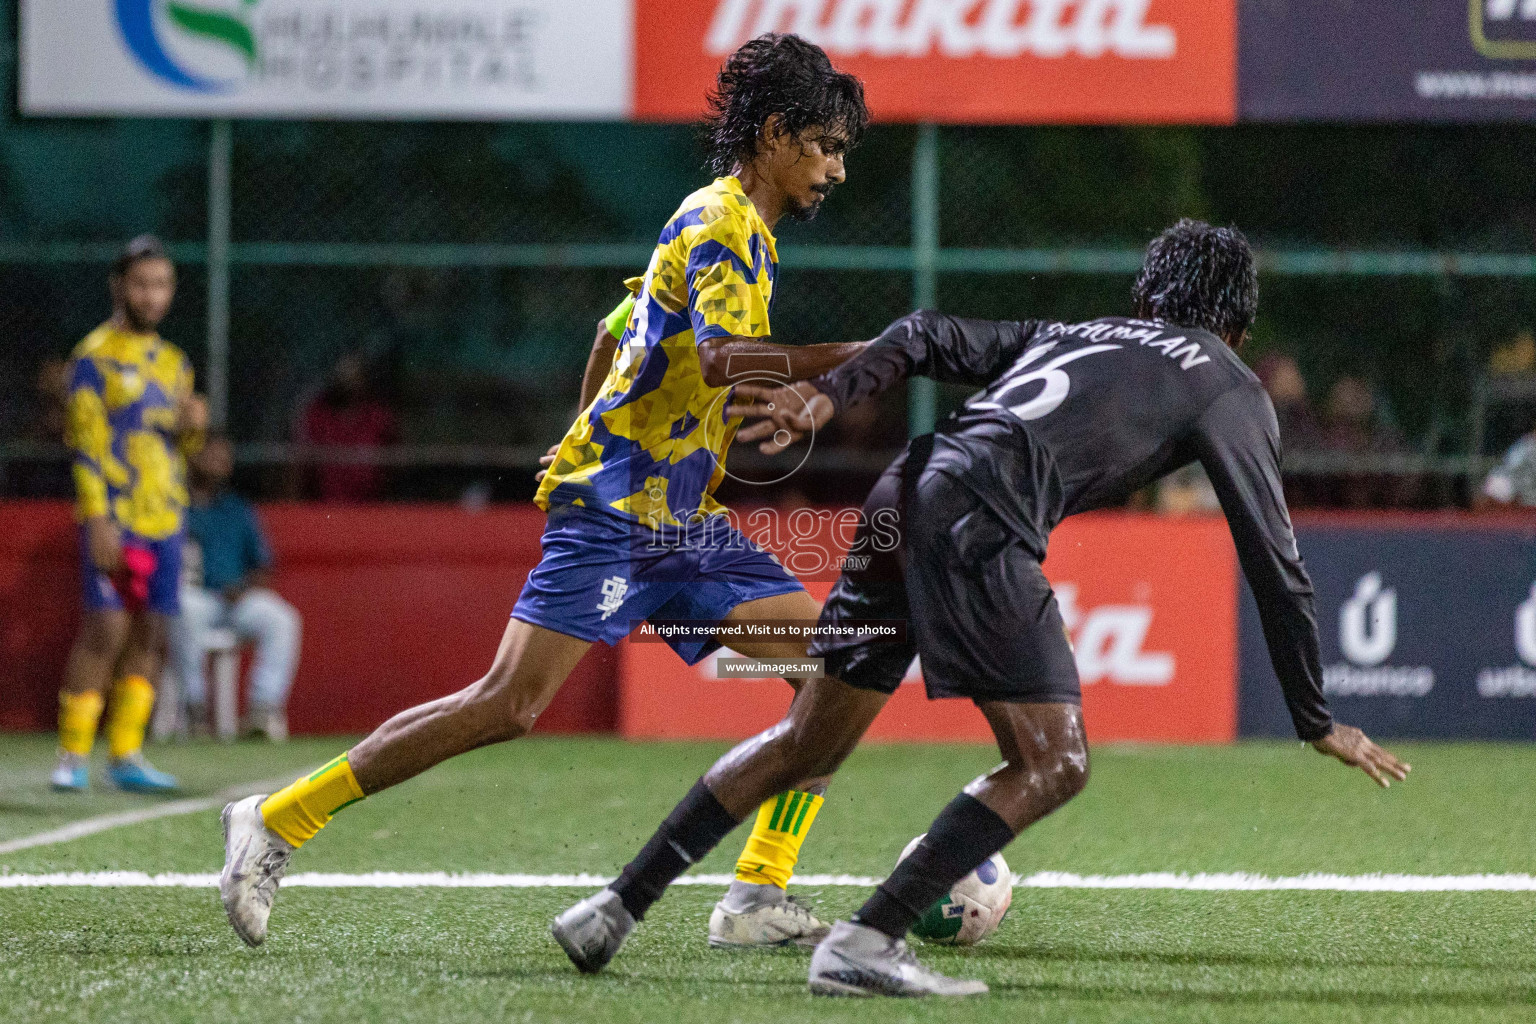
(132, 701)
(78, 715)
(773, 848)
(299, 811)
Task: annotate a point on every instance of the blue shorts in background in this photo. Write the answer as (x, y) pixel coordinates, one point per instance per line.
(151, 580)
(602, 574)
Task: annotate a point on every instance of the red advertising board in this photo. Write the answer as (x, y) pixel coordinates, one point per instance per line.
(966, 61)
(1151, 605)
(401, 604)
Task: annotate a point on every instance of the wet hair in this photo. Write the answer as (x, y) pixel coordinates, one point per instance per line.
(1195, 275)
(144, 247)
(778, 74)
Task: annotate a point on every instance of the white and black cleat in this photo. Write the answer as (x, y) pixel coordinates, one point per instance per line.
(592, 931)
(255, 859)
(783, 923)
(856, 960)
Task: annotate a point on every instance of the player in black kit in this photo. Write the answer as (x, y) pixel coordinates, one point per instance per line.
(1071, 417)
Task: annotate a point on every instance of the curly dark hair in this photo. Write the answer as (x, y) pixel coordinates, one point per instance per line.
(778, 74)
(1195, 275)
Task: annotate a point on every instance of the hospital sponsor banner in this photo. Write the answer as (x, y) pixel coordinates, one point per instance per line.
(965, 61)
(1150, 605)
(1426, 631)
(327, 58)
(1432, 60)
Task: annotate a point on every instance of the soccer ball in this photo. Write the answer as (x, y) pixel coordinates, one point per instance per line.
(974, 907)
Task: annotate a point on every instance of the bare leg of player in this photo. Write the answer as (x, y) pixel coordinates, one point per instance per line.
(823, 725)
(757, 910)
(1045, 764)
(261, 833)
(97, 647)
(530, 666)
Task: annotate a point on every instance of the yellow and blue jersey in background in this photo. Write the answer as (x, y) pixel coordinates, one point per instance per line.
(652, 445)
(125, 390)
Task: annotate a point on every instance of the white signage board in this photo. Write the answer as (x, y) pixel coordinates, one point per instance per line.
(467, 59)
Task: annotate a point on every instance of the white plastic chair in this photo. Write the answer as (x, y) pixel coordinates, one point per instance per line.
(170, 721)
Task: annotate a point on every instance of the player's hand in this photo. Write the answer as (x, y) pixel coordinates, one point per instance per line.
(1355, 749)
(546, 460)
(104, 541)
(782, 415)
(192, 417)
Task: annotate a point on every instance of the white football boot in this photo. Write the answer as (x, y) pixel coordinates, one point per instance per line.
(592, 931)
(783, 922)
(255, 859)
(856, 960)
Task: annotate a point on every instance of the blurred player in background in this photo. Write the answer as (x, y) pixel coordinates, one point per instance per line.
(1071, 417)
(634, 531)
(132, 417)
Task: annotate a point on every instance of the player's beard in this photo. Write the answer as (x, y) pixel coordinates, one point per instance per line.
(140, 323)
(807, 211)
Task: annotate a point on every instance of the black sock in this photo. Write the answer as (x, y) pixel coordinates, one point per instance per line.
(963, 836)
(695, 826)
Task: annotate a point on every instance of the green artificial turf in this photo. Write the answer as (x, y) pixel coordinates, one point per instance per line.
(568, 805)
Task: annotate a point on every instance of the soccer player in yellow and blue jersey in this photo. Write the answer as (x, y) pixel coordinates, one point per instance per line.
(634, 530)
(132, 415)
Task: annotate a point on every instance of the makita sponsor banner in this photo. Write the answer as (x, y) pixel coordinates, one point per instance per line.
(327, 58)
(979, 61)
(1151, 606)
(1427, 631)
(1436, 60)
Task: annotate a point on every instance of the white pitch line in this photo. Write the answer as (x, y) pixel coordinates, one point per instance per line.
(103, 822)
(1223, 882)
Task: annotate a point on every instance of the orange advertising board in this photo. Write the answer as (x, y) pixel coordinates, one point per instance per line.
(1151, 605)
(965, 61)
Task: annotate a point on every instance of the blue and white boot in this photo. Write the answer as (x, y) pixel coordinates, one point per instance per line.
(72, 774)
(133, 774)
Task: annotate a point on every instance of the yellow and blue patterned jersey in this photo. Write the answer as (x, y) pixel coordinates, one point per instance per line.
(651, 447)
(125, 390)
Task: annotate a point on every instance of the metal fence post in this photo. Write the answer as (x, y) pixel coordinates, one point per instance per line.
(922, 398)
(220, 146)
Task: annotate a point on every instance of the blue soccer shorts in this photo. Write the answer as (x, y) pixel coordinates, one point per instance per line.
(601, 575)
(150, 579)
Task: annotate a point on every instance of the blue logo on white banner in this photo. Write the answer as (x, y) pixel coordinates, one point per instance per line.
(1409, 647)
(326, 58)
(142, 23)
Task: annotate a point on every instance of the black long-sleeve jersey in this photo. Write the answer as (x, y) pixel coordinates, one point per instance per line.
(1074, 417)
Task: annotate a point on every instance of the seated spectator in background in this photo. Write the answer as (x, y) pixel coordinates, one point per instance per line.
(346, 413)
(1513, 482)
(41, 473)
(1353, 424)
(1514, 358)
(1186, 492)
(1287, 389)
(1300, 433)
(232, 594)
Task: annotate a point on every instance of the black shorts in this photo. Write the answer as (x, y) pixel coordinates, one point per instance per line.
(980, 612)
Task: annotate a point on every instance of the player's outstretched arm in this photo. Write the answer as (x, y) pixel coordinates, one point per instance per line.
(731, 360)
(1238, 443)
(950, 349)
(953, 350)
(1355, 749)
